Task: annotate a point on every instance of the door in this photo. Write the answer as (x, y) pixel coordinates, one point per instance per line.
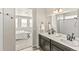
(23, 29)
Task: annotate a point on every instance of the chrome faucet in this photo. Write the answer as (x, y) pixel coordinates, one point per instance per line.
(71, 37)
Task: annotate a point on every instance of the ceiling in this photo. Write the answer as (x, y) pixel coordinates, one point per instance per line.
(28, 11)
(23, 11)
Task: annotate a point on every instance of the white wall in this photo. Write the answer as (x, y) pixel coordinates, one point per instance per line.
(35, 35)
(39, 15)
(1, 29)
(7, 30)
(42, 17)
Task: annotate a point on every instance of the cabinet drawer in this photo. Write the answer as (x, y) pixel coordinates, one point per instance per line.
(54, 48)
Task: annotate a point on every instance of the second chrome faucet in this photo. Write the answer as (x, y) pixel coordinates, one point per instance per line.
(71, 37)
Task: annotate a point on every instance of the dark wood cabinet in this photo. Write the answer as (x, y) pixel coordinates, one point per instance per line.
(60, 46)
(54, 48)
(47, 44)
(44, 43)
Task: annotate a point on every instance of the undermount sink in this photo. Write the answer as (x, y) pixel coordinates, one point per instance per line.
(58, 35)
(74, 43)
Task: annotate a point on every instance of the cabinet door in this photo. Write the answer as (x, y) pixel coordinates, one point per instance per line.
(54, 48)
(42, 43)
(46, 45)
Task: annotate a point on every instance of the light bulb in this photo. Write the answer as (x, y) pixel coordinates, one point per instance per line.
(56, 11)
(60, 10)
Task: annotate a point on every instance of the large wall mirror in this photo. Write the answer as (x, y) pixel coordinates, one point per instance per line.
(68, 22)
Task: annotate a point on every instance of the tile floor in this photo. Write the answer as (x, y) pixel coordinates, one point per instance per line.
(23, 44)
(31, 49)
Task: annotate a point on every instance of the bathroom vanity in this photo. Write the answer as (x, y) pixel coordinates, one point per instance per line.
(57, 42)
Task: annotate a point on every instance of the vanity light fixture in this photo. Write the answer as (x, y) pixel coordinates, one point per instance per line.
(58, 10)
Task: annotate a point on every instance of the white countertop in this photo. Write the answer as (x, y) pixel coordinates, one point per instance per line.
(61, 38)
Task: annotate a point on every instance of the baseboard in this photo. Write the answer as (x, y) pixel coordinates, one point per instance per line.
(35, 46)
